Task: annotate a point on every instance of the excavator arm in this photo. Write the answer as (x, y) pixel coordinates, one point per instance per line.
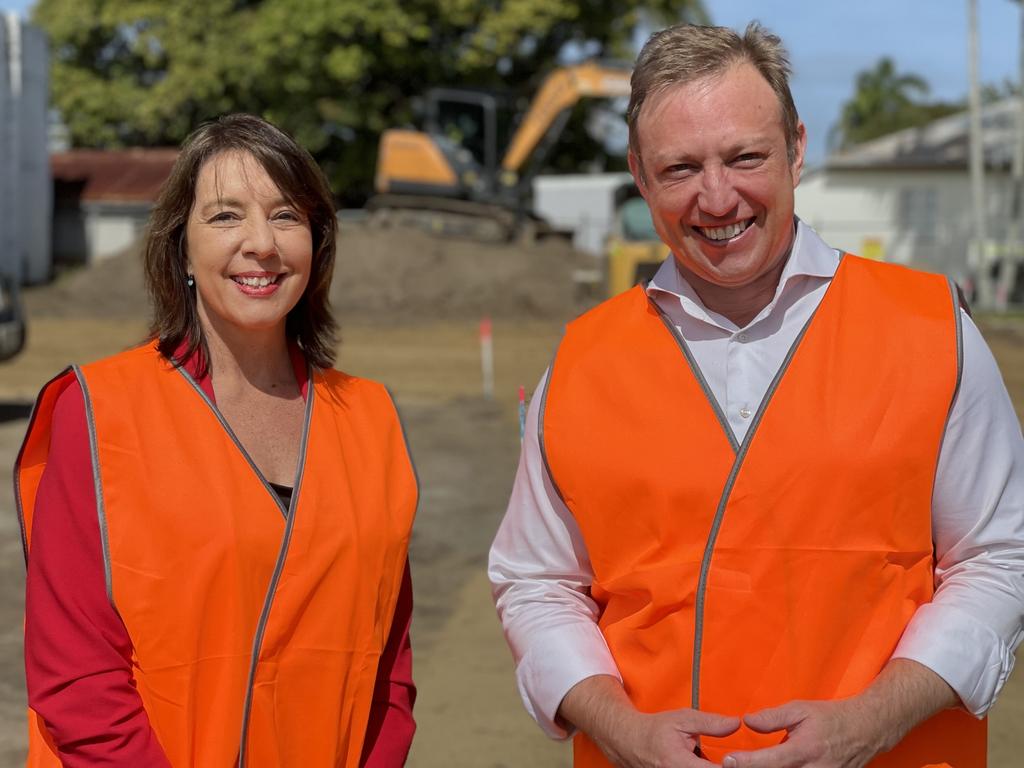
(558, 93)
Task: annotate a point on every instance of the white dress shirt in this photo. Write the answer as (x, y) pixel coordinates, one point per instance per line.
(541, 573)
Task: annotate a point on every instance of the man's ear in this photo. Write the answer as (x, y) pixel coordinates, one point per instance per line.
(800, 150)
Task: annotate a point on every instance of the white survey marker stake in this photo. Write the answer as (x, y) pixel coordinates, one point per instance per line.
(487, 357)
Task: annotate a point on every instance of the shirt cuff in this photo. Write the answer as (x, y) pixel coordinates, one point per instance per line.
(968, 655)
(557, 660)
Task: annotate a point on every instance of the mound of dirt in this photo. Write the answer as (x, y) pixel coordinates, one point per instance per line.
(406, 274)
(111, 289)
(395, 275)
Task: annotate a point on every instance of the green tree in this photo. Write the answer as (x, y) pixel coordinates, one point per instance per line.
(991, 92)
(884, 101)
(334, 73)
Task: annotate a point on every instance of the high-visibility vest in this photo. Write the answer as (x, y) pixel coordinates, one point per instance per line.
(256, 630)
(734, 576)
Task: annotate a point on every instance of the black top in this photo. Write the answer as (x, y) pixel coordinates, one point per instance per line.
(284, 493)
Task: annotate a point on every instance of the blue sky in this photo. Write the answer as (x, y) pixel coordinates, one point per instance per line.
(831, 40)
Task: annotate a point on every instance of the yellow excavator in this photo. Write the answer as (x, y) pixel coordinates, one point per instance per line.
(634, 250)
(468, 171)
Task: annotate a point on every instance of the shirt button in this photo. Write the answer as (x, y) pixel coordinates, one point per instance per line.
(742, 337)
(745, 413)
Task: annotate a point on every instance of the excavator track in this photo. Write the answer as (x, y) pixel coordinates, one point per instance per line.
(448, 217)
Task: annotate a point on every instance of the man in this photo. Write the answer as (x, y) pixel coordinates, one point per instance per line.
(769, 507)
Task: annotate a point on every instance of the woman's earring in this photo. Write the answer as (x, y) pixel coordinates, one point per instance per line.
(191, 281)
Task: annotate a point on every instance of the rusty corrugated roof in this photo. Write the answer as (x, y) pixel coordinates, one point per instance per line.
(115, 175)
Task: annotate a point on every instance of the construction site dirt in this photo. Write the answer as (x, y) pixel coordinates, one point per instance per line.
(409, 306)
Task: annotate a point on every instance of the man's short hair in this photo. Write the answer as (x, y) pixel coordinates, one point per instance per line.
(689, 52)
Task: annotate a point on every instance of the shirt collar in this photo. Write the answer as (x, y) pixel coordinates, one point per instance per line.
(809, 257)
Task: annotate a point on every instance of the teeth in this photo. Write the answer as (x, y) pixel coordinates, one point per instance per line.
(724, 233)
(255, 282)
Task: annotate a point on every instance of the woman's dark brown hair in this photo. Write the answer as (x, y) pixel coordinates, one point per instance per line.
(175, 323)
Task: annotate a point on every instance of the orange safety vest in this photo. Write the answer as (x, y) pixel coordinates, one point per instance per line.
(256, 630)
(738, 576)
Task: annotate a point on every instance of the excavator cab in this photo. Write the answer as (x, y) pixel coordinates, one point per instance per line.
(456, 155)
(473, 158)
(478, 121)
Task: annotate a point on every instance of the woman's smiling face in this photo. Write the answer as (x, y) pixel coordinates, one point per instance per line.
(248, 248)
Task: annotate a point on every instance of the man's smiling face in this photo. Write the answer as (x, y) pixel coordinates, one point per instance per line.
(714, 168)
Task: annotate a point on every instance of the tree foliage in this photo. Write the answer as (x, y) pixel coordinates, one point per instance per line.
(334, 73)
(884, 101)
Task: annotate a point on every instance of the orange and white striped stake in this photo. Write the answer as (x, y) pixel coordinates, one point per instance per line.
(522, 413)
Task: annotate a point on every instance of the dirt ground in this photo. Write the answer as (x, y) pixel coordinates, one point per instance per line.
(418, 333)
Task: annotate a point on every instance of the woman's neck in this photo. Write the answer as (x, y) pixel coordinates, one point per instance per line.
(257, 359)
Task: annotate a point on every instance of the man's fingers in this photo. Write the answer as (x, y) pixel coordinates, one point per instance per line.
(689, 760)
(785, 755)
(707, 723)
(775, 719)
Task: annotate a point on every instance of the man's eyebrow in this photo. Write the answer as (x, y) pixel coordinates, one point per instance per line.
(754, 143)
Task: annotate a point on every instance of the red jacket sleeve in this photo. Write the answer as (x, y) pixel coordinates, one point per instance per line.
(77, 650)
(391, 726)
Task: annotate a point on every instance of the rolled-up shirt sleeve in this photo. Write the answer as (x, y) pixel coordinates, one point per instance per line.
(540, 576)
(969, 632)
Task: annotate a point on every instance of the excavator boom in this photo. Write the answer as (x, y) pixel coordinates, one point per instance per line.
(559, 92)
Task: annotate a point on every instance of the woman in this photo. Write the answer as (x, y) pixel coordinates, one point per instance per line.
(216, 522)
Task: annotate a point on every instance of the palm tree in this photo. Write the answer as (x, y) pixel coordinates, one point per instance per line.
(883, 101)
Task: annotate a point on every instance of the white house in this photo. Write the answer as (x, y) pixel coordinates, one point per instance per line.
(906, 197)
(102, 199)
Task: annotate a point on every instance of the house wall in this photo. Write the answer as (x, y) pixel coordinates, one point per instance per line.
(110, 229)
(919, 218)
(89, 232)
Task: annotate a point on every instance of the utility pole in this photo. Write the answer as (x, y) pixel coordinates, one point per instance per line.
(1015, 233)
(977, 256)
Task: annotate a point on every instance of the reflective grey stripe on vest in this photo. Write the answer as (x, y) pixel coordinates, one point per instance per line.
(101, 509)
(408, 449)
(697, 374)
(741, 454)
(231, 434)
(540, 427)
(709, 547)
(958, 323)
(33, 415)
(261, 626)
